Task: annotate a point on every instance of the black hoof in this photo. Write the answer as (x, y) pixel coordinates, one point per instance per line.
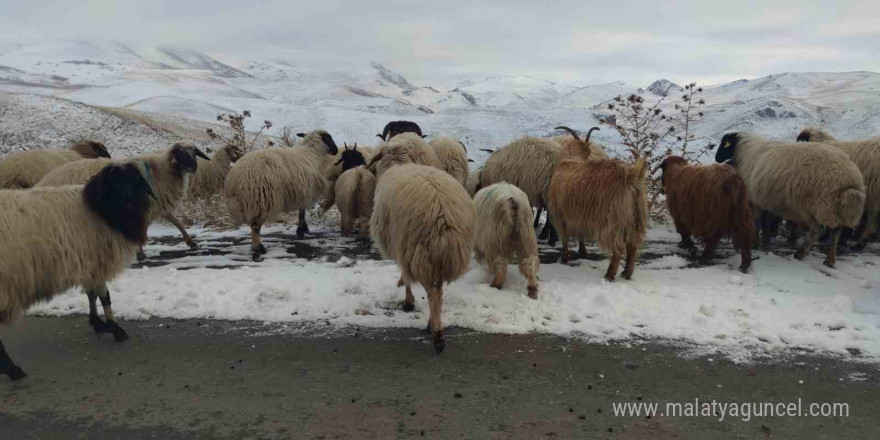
(193, 246)
(16, 374)
(118, 333)
(300, 234)
(141, 256)
(799, 255)
(627, 276)
(744, 269)
(408, 307)
(256, 257)
(261, 249)
(98, 325)
(439, 341)
(829, 263)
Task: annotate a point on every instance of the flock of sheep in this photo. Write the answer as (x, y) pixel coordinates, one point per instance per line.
(77, 218)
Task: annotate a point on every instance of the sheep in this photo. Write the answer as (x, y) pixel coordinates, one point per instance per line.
(354, 197)
(57, 238)
(395, 128)
(709, 203)
(866, 155)
(168, 172)
(572, 145)
(504, 231)
(423, 220)
(453, 157)
(211, 174)
(473, 182)
(414, 147)
(813, 184)
(346, 159)
(24, 169)
(267, 183)
(603, 200)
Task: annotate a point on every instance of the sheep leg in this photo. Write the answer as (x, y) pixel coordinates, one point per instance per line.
(805, 243)
(582, 248)
(870, 227)
(745, 254)
(257, 247)
(499, 267)
(111, 326)
(8, 367)
(177, 224)
(98, 325)
(528, 267)
(613, 266)
(794, 231)
(630, 267)
(709, 250)
(435, 302)
(302, 228)
(365, 228)
(141, 256)
(766, 230)
(831, 252)
(564, 248)
(537, 218)
(553, 236)
(409, 303)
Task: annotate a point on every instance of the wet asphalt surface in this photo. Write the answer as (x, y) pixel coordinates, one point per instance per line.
(201, 379)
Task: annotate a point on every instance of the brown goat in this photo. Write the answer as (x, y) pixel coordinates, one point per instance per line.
(604, 201)
(710, 203)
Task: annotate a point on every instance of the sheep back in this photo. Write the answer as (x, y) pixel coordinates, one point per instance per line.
(453, 157)
(424, 220)
(416, 149)
(527, 163)
(266, 183)
(504, 222)
(24, 169)
(355, 189)
(210, 175)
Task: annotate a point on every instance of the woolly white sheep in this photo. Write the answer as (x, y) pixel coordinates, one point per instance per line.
(453, 157)
(57, 238)
(266, 183)
(210, 175)
(423, 220)
(504, 232)
(814, 184)
(24, 169)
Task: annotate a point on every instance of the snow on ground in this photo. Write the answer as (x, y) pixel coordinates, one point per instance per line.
(782, 305)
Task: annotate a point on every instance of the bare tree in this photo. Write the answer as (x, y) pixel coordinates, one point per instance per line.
(650, 133)
(287, 135)
(239, 135)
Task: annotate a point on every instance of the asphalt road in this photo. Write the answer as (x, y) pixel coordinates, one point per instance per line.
(217, 379)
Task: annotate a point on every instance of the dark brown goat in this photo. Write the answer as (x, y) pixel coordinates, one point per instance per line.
(709, 202)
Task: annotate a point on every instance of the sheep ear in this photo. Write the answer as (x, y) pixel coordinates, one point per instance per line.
(375, 159)
(199, 153)
(302, 135)
(471, 160)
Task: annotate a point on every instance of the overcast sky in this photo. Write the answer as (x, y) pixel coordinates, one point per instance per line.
(575, 41)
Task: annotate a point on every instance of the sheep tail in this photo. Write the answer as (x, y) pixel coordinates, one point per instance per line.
(742, 226)
(637, 172)
(850, 206)
(356, 199)
(514, 214)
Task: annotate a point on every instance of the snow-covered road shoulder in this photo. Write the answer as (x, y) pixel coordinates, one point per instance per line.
(781, 305)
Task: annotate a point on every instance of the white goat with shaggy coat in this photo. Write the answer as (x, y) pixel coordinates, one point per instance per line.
(505, 232)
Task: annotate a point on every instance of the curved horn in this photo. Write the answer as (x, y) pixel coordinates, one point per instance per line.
(202, 155)
(337, 162)
(573, 133)
(587, 138)
(376, 158)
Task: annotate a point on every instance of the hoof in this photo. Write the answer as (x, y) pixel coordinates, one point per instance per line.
(495, 285)
(439, 341)
(744, 269)
(685, 244)
(609, 278)
(141, 256)
(799, 255)
(408, 307)
(98, 325)
(533, 292)
(118, 333)
(551, 242)
(256, 257)
(627, 275)
(16, 373)
(300, 235)
(260, 249)
(829, 263)
(192, 245)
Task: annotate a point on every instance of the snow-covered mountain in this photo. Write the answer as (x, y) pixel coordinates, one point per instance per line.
(356, 100)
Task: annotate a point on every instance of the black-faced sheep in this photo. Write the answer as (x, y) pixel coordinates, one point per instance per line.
(168, 173)
(24, 169)
(709, 203)
(423, 220)
(504, 232)
(866, 155)
(57, 238)
(604, 201)
(395, 128)
(266, 183)
(814, 184)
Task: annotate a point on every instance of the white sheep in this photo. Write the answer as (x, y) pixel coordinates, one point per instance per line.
(210, 175)
(424, 220)
(453, 157)
(168, 172)
(354, 197)
(504, 232)
(24, 169)
(57, 238)
(814, 184)
(266, 183)
(415, 148)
